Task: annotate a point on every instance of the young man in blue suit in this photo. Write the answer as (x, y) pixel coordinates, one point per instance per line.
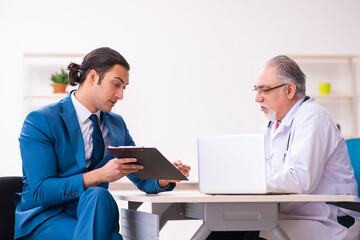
(65, 165)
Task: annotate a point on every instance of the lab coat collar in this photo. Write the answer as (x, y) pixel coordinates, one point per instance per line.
(287, 120)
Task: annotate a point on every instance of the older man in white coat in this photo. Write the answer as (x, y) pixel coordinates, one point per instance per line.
(305, 153)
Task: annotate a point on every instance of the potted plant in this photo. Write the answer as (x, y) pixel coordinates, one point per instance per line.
(60, 81)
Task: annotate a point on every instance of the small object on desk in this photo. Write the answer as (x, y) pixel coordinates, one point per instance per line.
(156, 166)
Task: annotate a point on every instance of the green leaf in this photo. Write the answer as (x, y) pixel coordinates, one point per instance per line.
(62, 77)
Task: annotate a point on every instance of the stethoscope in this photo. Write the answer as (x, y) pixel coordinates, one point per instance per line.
(288, 141)
(266, 145)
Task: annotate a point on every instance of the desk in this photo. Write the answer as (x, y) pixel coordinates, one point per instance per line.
(218, 212)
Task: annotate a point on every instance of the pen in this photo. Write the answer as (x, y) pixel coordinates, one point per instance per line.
(284, 156)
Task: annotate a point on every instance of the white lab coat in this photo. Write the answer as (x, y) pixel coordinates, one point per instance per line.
(307, 154)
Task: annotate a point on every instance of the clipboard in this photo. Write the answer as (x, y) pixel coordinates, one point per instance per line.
(156, 166)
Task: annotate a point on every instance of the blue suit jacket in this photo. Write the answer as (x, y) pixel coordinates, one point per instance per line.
(53, 157)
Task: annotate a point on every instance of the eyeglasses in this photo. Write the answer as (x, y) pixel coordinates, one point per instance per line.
(265, 91)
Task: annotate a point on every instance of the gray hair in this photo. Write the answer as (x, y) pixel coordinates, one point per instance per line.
(289, 71)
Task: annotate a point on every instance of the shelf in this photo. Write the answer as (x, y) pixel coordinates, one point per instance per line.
(343, 72)
(334, 96)
(42, 96)
(54, 55)
(37, 70)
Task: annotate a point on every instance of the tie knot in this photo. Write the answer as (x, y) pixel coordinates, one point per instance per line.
(94, 118)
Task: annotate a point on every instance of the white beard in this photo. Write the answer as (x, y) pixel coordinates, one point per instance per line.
(271, 114)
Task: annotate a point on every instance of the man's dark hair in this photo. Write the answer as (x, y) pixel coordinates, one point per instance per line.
(101, 60)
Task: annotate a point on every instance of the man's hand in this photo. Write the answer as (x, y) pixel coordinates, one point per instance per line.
(113, 170)
(184, 169)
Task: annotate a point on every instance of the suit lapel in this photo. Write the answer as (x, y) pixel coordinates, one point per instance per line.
(109, 127)
(75, 135)
(113, 127)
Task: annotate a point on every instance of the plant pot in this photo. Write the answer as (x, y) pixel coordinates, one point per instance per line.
(59, 87)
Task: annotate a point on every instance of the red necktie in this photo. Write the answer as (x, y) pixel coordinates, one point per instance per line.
(277, 124)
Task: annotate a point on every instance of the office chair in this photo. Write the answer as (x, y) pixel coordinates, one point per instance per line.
(8, 187)
(353, 146)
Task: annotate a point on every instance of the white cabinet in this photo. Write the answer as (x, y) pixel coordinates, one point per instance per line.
(37, 70)
(343, 72)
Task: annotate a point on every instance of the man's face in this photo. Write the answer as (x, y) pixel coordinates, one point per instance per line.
(273, 102)
(111, 88)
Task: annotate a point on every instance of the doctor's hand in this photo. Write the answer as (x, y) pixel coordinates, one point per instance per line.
(184, 169)
(113, 170)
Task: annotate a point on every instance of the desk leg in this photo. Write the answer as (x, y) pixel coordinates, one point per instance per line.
(202, 233)
(136, 225)
(169, 211)
(162, 210)
(279, 234)
(134, 205)
(243, 217)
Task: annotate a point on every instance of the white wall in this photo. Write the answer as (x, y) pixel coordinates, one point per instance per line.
(193, 62)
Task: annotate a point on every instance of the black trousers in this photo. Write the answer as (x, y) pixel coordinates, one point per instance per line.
(236, 235)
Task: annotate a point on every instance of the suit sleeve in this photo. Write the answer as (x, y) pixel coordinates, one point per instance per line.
(40, 164)
(149, 186)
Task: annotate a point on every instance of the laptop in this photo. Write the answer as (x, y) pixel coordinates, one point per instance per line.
(232, 164)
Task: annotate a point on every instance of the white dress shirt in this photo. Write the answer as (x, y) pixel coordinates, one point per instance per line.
(86, 125)
(306, 154)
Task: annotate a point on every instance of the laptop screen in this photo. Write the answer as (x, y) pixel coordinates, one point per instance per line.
(232, 164)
